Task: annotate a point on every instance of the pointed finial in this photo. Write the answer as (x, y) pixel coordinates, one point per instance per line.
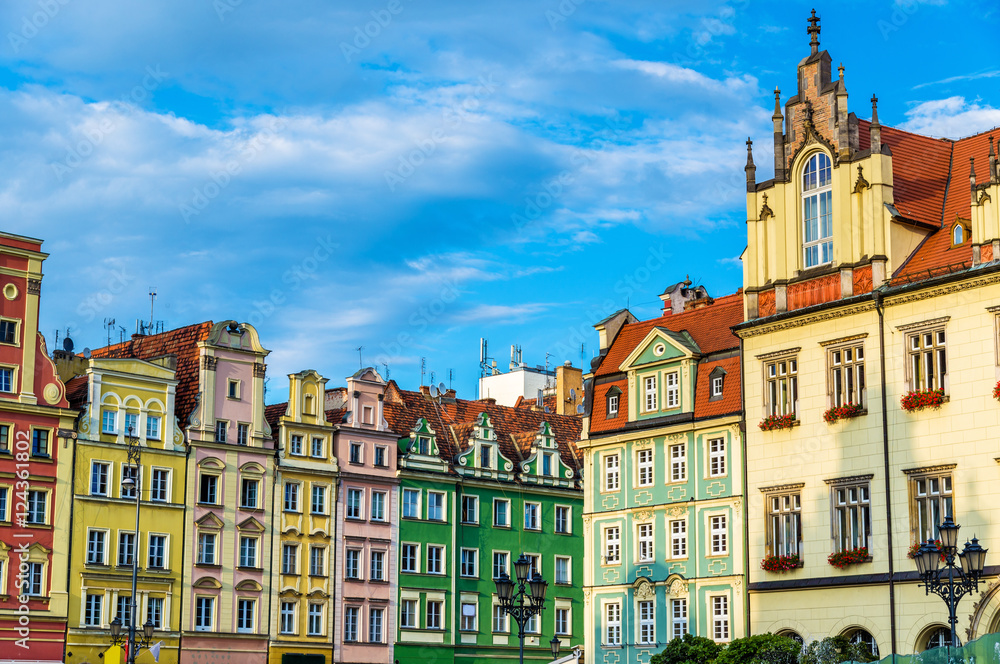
(992, 154)
(841, 70)
(813, 31)
(972, 171)
(750, 169)
(777, 103)
(875, 111)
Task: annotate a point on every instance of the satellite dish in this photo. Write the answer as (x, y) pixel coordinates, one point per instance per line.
(442, 388)
(579, 409)
(86, 353)
(433, 391)
(68, 345)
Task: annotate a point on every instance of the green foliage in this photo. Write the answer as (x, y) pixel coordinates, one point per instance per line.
(688, 650)
(834, 650)
(760, 649)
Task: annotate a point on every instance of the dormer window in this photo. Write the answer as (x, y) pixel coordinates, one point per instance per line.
(423, 445)
(959, 234)
(716, 386)
(485, 456)
(716, 383)
(546, 465)
(614, 396)
(817, 211)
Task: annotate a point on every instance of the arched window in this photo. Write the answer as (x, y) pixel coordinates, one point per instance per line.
(865, 638)
(938, 638)
(817, 211)
(791, 634)
(958, 235)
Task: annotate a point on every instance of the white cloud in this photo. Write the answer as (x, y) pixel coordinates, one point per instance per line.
(951, 118)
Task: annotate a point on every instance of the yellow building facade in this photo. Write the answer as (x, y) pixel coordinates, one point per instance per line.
(870, 279)
(116, 396)
(302, 610)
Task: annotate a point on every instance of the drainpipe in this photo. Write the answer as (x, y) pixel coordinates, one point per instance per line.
(271, 594)
(879, 307)
(746, 496)
(69, 546)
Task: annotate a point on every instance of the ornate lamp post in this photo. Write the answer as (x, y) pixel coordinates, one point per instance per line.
(134, 452)
(513, 603)
(952, 581)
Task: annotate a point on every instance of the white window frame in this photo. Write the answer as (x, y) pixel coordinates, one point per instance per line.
(678, 463)
(532, 516)
(379, 501)
(612, 471)
(441, 509)
(678, 617)
(927, 358)
(568, 511)
(506, 503)
(441, 566)
(612, 545)
(464, 568)
(717, 466)
(415, 559)
(612, 624)
(646, 627)
(717, 383)
(568, 580)
(103, 558)
(781, 383)
(718, 534)
(407, 493)
(678, 539)
(287, 621)
(720, 608)
(644, 467)
(784, 523)
(852, 522)
(614, 401)
(472, 501)
(846, 373)
(506, 563)
(819, 165)
(645, 542)
(408, 610)
(650, 394)
(673, 383)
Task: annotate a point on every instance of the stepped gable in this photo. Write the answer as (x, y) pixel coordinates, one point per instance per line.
(182, 343)
(453, 421)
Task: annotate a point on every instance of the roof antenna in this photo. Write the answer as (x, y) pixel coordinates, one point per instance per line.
(361, 362)
(451, 377)
(423, 369)
(385, 367)
(152, 300)
(109, 323)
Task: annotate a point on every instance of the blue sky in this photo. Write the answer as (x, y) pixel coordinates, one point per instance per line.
(411, 176)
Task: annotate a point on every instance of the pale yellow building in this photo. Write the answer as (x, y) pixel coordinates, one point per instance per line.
(869, 273)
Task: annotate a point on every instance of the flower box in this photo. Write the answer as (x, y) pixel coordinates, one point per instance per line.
(775, 422)
(780, 564)
(844, 559)
(920, 399)
(996, 391)
(844, 412)
(912, 553)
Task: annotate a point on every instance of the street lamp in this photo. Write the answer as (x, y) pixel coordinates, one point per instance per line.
(952, 581)
(513, 603)
(134, 451)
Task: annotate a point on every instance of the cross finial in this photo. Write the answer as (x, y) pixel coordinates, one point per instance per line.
(813, 31)
(874, 110)
(749, 143)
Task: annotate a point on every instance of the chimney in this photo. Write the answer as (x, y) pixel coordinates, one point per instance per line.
(568, 378)
(691, 305)
(779, 139)
(677, 297)
(876, 129)
(751, 169)
(426, 391)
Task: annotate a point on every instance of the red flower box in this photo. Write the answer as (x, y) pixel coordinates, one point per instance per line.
(844, 412)
(774, 422)
(780, 563)
(912, 553)
(996, 392)
(844, 559)
(920, 399)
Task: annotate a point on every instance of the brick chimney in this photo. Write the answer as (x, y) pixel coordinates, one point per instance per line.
(568, 378)
(679, 297)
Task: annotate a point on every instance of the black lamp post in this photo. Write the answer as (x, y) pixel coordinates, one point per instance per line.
(513, 603)
(134, 451)
(952, 581)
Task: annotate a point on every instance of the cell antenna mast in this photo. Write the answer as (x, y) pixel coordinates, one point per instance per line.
(152, 301)
(361, 361)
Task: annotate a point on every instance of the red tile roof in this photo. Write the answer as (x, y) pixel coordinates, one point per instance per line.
(730, 401)
(453, 422)
(272, 414)
(182, 344)
(76, 392)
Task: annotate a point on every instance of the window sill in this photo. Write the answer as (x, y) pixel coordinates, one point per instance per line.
(354, 518)
(201, 504)
(469, 523)
(497, 525)
(317, 576)
(562, 532)
(250, 568)
(291, 511)
(380, 582)
(209, 565)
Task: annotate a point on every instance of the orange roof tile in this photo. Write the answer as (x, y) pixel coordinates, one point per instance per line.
(76, 392)
(730, 402)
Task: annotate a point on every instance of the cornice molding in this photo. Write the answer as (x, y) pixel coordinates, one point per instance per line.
(779, 488)
(930, 469)
(853, 479)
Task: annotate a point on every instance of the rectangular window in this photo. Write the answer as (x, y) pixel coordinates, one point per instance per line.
(317, 451)
(380, 457)
(99, 472)
(295, 445)
(719, 533)
(242, 434)
(206, 548)
(645, 542)
(124, 612)
(847, 375)
(315, 626)
(410, 554)
(817, 212)
(435, 506)
(351, 624)
(31, 583)
(8, 331)
(248, 494)
(531, 516)
(245, 609)
(291, 497)
(367, 416)
(289, 559)
(4, 438)
(678, 463)
(720, 618)
(128, 488)
(562, 622)
(355, 452)
(109, 421)
(377, 566)
(611, 472)
(612, 624)
(3, 505)
(375, 625)
(36, 507)
(208, 492)
(501, 512)
(352, 564)
(157, 551)
(317, 561)
(678, 539)
(678, 618)
(613, 405)
(96, 547)
(411, 504)
(470, 562)
(647, 623)
(204, 614)
(93, 610)
(154, 612)
(852, 517)
(248, 551)
(221, 428)
(423, 445)
(378, 506)
(40, 443)
(126, 549)
(716, 386)
(649, 390)
(546, 465)
(434, 615)
(485, 457)
(644, 467)
(287, 618)
(408, 614)
(318, 499)
(234, 389)
(131, 424)
(932, 496)
(159, 485)
(435, 559)
(673, 390)
(612, 545)
(354, 503)
(531, 627)
(782, 387)
(928, 362)
(6, 379)
(562, 570)
(153, 427)
(470, 509)
(717, 457)
(499, 619)
(468, 617)
(784, 532)
(500, 559)
(562, 519)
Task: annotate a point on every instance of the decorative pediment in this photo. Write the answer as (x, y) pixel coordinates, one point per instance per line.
(291, 530)
(251, 525)
(642, 589)
(207, 582)
(319, 532)
(252, 468)
(765, 211)
(484, 428)
(212, 463)
(211, 521)
(289, 591)
(661, 345)
(420, 434)
(249, 584)
(318, 593)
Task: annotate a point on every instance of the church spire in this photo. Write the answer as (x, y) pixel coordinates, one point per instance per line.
(751, 168)
(813, 31)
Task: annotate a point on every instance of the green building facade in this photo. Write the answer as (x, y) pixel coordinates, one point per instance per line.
(479, 485)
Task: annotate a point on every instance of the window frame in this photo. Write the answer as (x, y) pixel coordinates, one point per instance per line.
(841, 371)
(467, 501)
(650, 393)
(612, 619)
(778, 385)
(945, 497)
(611, 545)
(678, 463)
(567, 510)
(937, 330)
(645, 542)
(821, 190)
(612, 472)
(718, 462)
(645, 475)
(785, 517)
(506, 505)
(678, 539)
(717, 534)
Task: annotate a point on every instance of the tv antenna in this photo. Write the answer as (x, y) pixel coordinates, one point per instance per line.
(152, 301)
(432, 377)
(451, 377)
(385, 367)
(423, 369)
(109, 323)
(361, 362)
